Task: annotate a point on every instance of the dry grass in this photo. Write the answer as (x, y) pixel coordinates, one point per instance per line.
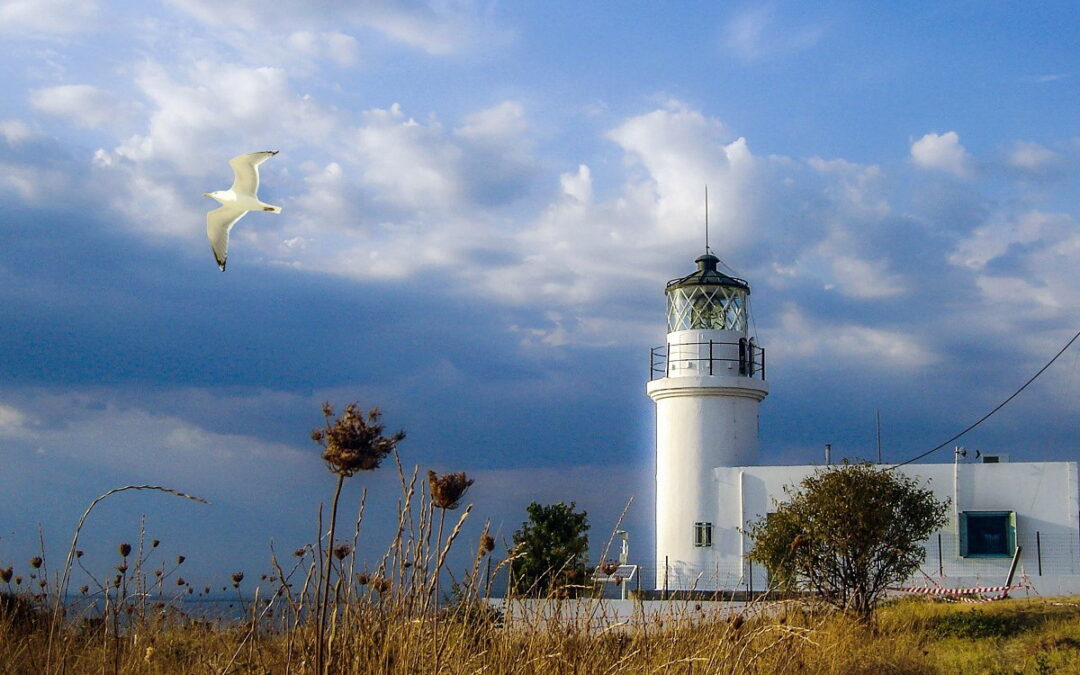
(381, 617)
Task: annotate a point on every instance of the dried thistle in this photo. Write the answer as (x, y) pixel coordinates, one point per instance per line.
(18, 581)
(609, 567)
(78, 554)
(354, 441)
(125, 550)
(487, 544)
(381, 584)
(237, 577)
(154, 543)
(180, 581)
(180, 560)
(35, 562)
(342, 550)
(84, 589)
(299, 553)
(5, 575)
(448, 489)
(363, 578)
(122, 568)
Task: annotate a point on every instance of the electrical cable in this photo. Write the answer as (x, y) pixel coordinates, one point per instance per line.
(999, 406)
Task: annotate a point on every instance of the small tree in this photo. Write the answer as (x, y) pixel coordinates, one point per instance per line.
(848, 532)
(550, 551)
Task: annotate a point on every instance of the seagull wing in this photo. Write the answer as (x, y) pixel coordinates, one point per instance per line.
(246, 171)
(218, 223)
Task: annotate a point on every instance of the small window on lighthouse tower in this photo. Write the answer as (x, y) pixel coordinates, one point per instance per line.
(702, 534)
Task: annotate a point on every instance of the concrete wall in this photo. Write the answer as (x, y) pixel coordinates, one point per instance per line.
(1042, 494)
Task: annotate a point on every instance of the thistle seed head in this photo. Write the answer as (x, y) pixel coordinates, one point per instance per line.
(35, 562)
(353, 442)
(125, 550)
(342, 550)
(448, 489)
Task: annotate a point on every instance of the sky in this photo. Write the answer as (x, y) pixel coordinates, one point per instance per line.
(482, 203)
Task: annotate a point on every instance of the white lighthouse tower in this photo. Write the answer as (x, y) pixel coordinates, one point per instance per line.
(707, 382)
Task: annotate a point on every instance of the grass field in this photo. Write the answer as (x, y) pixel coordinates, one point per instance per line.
(380, 632)
(325, 605)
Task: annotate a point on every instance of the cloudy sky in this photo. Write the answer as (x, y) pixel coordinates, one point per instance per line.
(482, 203)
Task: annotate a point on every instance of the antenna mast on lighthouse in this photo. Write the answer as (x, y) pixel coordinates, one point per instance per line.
(707, 219)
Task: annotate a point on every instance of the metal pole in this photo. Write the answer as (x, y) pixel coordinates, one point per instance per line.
(1012, 568)
(879, 436)
(750, 571)
(710, 357)
(940, 564)
(665, 578)
(1038, 550)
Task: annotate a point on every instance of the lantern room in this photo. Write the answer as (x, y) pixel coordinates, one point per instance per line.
(707, 299)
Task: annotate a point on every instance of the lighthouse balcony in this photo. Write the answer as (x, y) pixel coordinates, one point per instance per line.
(712, 357)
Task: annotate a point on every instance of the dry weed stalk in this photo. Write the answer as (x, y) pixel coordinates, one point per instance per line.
(351, 443)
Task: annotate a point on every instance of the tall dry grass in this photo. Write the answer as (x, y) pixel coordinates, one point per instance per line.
(348, 606)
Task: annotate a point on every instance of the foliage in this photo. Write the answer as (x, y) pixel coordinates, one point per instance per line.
(847, 533)
(550, 550)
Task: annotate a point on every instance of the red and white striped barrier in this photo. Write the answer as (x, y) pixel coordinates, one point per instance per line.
(959, 593)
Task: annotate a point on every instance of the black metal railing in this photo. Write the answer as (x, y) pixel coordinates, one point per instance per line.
(711, 361)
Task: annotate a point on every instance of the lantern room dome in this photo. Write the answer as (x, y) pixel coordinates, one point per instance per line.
(707, 275)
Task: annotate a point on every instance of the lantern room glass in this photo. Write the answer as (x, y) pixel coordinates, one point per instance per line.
(707, 307)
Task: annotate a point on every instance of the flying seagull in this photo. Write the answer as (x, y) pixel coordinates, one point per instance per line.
(236, 201)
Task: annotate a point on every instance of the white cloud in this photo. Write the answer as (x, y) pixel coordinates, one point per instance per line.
(408, 163)
(14, 131)
(1029, 156)
(755, 34)
(993, 240)
(83, 104)
(11, 420)
(682, 152)
(578, 185)
(799, 337)
(21, 17)
(340, 48)
(866, 279)
(942, 153)
(438, 27)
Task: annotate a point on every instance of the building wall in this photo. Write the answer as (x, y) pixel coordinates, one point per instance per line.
(1043, 495)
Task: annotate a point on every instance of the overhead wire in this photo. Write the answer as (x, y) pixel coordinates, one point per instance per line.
(999, 407)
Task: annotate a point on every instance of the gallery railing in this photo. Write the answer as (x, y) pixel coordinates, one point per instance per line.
(709, 358)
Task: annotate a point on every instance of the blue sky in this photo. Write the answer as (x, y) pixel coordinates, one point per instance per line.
(481, 205)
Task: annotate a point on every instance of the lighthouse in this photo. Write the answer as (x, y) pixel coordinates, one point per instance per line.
(707, 382)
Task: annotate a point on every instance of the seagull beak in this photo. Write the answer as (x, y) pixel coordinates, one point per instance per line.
(207, 194)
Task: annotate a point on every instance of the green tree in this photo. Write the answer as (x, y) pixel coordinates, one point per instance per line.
(550, 550)
(847, 533)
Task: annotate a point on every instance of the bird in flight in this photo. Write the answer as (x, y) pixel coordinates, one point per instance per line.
(236, 202)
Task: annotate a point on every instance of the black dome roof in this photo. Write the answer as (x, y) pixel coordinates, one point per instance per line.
(707, 275)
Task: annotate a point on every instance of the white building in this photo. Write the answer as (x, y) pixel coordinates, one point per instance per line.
(707, 382)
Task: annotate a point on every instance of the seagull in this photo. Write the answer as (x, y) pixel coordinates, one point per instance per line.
(236, 201)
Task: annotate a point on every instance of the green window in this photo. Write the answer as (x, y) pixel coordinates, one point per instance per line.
(987, 534)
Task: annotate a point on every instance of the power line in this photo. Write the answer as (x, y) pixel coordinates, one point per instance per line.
(999, 406)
